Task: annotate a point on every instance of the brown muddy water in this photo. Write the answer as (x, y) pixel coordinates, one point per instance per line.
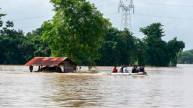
(162, 88)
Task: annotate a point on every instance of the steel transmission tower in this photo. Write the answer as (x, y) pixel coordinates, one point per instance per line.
(126, 7)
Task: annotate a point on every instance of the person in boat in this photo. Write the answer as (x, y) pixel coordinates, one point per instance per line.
(142, 69)
(114, 69)
(125, 69)
(121, 69)
(134, 69)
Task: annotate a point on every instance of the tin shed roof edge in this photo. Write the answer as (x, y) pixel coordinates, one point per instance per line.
(46, 61)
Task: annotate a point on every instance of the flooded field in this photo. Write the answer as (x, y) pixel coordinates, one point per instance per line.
(162, 88)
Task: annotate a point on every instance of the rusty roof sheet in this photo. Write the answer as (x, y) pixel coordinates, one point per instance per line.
(46, 61)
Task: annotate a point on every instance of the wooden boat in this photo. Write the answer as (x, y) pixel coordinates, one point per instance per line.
(132, 74)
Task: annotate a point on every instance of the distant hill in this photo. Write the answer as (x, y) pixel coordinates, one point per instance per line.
(186, 57)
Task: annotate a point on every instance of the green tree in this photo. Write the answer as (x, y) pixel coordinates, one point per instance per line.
(110, 54)
(157, 51)
(41, 48)
(117, 48)
(15, 48)
(175, 47)
(77, 30)
(9, 43)
(186, 57)
(139, 52)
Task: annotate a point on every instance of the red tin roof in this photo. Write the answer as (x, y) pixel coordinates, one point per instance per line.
(46, 61)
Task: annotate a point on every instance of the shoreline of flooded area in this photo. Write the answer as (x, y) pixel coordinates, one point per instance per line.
(23, 68)
(162, 88)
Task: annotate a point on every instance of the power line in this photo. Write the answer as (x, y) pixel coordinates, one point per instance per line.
(151, 3)
(174, 5)
(157, 16)
(170, 17)
(114, 13)
(140, 14)
(166, 17)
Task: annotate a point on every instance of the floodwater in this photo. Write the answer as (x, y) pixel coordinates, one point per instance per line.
(162, 88)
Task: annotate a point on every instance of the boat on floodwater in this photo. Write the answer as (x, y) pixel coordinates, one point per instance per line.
(132, 74)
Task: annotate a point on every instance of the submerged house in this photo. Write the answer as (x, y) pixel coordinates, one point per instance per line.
(52, 64)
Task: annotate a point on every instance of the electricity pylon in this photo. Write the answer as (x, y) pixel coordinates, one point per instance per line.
(127, 8)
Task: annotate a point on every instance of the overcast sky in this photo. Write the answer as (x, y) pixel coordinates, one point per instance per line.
(175, 15)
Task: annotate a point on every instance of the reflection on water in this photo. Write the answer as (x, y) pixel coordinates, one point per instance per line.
(162, 88)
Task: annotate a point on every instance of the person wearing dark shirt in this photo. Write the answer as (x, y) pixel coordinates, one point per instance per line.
(141, 69)
(134, 69)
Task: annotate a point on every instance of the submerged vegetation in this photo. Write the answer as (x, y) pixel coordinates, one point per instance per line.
(186, 57)
(16, 48)
(78, 30)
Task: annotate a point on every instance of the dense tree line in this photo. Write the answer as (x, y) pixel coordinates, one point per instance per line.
(122, 48)
(186, 57)
(117, 48)
(79, 31)
(157, 51)
(16, 48)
